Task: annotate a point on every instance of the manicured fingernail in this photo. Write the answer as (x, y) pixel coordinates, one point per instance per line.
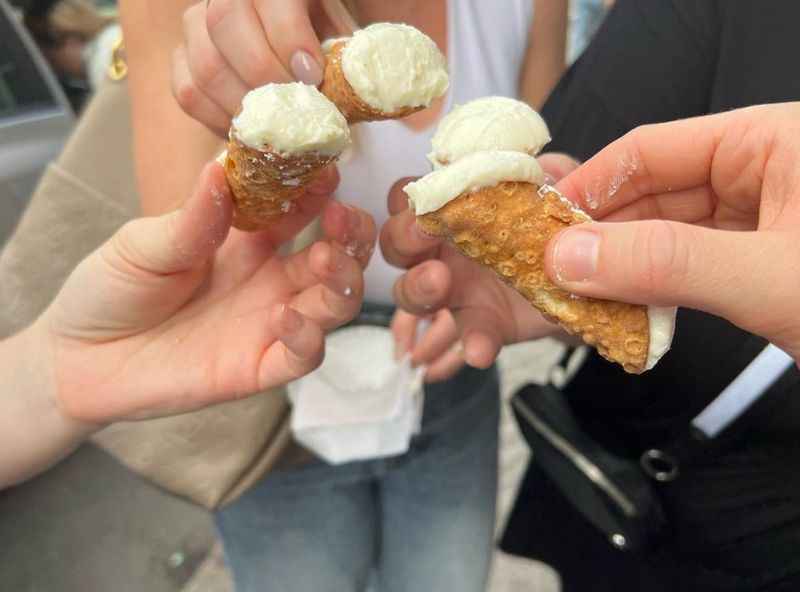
(575, 255)
(306, 69)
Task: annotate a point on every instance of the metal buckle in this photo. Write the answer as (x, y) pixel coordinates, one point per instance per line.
(659, 465)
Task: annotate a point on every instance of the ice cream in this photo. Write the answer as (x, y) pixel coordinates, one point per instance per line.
(491, 123)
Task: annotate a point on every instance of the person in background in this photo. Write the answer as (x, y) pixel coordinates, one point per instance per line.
(161, 298)
(733, 517)
(424, 520)
(77, 39)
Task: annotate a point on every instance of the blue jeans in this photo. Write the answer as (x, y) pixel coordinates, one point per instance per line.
(421, 522)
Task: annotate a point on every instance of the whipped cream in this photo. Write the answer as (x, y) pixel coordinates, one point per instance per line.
(292, 118)
(491, 123)
(469, 174)
(662, 330)
(393, 66)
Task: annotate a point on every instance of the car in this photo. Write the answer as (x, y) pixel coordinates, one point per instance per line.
(35, 118)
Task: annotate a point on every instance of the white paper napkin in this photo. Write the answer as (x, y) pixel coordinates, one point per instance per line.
(361, 403)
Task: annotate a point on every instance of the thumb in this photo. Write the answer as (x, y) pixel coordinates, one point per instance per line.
(181, 240)
(730, 274)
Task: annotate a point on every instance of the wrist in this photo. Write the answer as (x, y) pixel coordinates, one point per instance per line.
(40, 384)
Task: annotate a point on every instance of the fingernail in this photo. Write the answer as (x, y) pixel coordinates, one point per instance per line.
(353, 220)
(291, 322)
(422, 235)
(426, 283)
(575, 255)
(306, 69)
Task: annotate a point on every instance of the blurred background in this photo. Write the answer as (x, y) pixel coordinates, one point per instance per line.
(89, 524)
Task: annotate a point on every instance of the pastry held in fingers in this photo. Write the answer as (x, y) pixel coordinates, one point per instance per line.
(282, 138)
(495, 209)
(490, 123)
(385, 71)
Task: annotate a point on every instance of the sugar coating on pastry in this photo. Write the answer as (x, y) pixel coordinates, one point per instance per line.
(662, 330)
(490, 123)
(328, 44)
(293, 118)
(469, 174)
(394, 66)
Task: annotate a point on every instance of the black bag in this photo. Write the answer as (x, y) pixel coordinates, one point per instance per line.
(616, 494)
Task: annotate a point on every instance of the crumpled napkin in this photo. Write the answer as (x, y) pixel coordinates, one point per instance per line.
(360, 403)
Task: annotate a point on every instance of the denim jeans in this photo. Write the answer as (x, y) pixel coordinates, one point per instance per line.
(421, 522)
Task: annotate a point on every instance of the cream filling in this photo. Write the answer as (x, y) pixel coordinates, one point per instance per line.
(491, 123)
(662, 330)
(392, 66)
(292, 118)
(469, 174)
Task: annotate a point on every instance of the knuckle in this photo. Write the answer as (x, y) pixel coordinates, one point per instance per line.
(259, 68)
(660, 258)
(206, 68)
(216, 12)
(187, 95)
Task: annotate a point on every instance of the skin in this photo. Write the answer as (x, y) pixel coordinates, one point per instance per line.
(228, 47)
(175, 313)
(705, 215)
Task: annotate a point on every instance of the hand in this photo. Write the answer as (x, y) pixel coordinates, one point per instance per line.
(438, 348)
(723, 193)
(488, 314)
(231, 47)
(180, 312)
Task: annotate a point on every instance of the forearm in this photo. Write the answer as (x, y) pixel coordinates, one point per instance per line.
(170, 148)
(545, 60)
(34, 434)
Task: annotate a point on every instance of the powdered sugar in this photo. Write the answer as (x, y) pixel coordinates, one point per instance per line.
(602, 190)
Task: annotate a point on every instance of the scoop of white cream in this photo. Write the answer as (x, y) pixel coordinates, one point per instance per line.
(469, 174)
(392, 66)
(491, 123)
(662, 330)
(291, 118)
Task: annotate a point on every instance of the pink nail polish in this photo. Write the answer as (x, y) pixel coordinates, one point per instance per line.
(306, 69)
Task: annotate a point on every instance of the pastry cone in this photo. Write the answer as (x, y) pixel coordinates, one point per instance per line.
(506, 226)
(396, 71)
(284, 135)
(265, 183)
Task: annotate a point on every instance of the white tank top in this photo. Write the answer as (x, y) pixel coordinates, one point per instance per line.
(486, 49)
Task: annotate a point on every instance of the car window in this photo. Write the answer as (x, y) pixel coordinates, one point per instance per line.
(22, 88)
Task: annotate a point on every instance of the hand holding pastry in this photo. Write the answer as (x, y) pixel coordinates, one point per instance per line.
(711, 210)
(384, 71)
(495, 208)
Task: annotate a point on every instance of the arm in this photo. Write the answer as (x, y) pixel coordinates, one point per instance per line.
(33, 432)
(134, 322)
(545, 59)
(170, 148)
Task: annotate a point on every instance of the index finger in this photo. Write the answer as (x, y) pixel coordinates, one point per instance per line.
(650, 159)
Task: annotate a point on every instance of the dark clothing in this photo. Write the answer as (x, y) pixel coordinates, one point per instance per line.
(735, 516)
